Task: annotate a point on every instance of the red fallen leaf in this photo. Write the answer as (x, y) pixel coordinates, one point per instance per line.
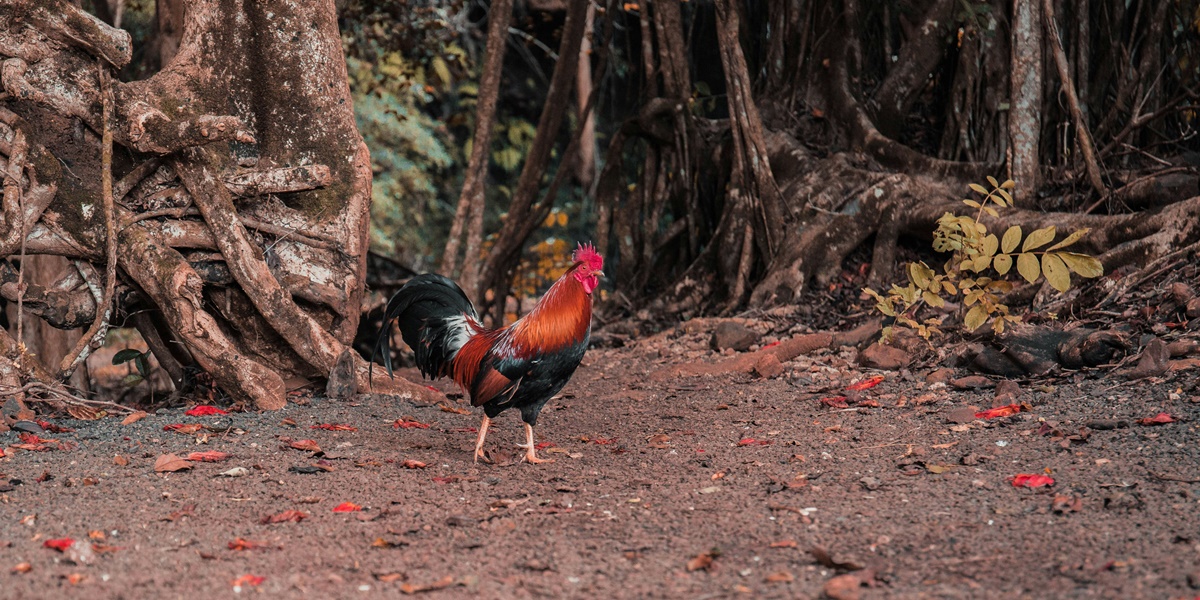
(347, 507)
(1030, 480)
(453, 409)
(1161, 418)
(544, 445)
(188, 428)
(604, 441)
(463, 430)
(753, 442)
(205, 410)
(413, 464)
(1001, 411)
(334, 427)
(702, 562)
(444, 480)
(305, 445)
(30, 438)
(293, 516)
(430, 387)
(1, 452)
(248, 580)
(60, 544)
(52, 428)
(866, 384)
(835, 402)
(240, 545)
(771, 345)
(209, 456)
(409, 424)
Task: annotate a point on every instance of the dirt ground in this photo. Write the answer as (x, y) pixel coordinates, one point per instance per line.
(663, 486)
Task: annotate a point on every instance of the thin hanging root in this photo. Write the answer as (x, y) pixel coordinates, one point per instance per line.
(99, 328)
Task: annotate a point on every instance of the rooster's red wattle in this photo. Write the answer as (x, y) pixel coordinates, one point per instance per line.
(521, 365)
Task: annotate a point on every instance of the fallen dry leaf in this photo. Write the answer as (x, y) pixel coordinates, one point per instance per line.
(205, 410)
(442, 583)
(848, 586)
(75, 578)
(188, 510)
(543, 445)
(97, 535)
(1066, 504)
(753, 442)
(52, 428)
(169, 463)
(406, 423)
(60, 544)
(240, 545)
(1161, 418)
(703, 561)
(119, 460)
(660, 441)
(835, 402)
(209, 456)
(1002, 411)
(22, 568)
(413, 464)
(780, 577)
(188, 428)
(305, 445)
(1030, 480)
(335, 427)
(390, 577)
(248, 580)
(347, 507)
(784, 544)
(135, 417)
(453, 409)
(293, 516)
(866, 384)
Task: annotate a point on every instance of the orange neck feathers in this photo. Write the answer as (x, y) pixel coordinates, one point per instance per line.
(560, 319)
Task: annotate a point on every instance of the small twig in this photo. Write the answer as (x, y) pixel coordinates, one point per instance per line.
(68, 397)
(99, 327)
(1169, 477)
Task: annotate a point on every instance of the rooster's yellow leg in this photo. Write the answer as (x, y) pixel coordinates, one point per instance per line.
(483, 427)
(530, 453)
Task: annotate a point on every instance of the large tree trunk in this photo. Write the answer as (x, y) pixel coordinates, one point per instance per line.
(241, 190)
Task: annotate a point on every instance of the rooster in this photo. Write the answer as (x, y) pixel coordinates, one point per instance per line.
(521, 365)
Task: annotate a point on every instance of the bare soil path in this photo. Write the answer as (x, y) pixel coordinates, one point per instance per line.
(662, 487)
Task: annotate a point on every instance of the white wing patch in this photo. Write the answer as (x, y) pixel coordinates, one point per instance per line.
(461, 331)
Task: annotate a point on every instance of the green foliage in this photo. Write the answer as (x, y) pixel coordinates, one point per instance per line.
(140, 359)
(979, 267)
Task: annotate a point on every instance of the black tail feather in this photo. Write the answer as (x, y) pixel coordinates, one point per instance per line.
(428, 310)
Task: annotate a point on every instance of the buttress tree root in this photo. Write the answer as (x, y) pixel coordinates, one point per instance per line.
(220, 205)
(853, 124)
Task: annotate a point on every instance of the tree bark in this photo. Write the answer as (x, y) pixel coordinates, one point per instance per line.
(469, 214)
(1024, 120)
(254, 115)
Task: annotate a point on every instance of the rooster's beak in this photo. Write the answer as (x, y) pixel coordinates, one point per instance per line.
(598, 273)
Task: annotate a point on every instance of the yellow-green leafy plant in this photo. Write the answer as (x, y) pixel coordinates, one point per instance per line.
(979, 267)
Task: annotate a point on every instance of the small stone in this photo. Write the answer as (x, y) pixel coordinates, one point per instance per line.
(1101, 424)
(960, 415)
(1007, 390)
(972, 382)
(880, 356)
(768, 367)
(735, 336)
(943, 375)
(1193, 308)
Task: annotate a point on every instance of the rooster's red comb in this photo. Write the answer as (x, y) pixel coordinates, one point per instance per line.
(586, 253)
